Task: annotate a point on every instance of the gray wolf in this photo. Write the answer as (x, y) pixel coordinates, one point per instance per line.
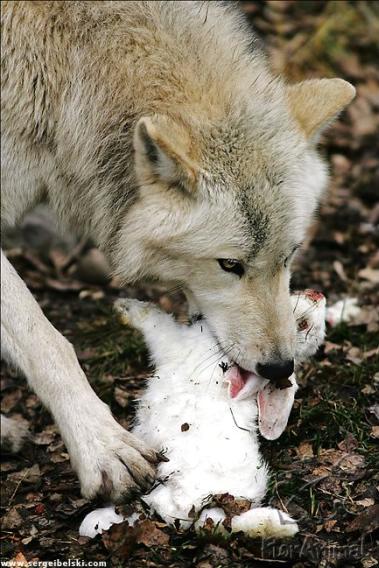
(158, 129)
(208, 431)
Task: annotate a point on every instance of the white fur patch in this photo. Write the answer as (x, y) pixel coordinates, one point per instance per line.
(209, 438)
(99, 520)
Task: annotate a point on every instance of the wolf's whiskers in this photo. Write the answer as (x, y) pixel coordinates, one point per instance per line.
(219, 357)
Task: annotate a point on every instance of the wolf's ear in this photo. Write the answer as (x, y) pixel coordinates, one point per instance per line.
(317, 102)
(160, 154)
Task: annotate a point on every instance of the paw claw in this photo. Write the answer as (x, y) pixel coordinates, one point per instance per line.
(162, 458)
(113, 464)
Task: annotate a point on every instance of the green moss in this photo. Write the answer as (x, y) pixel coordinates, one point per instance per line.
(111, 348)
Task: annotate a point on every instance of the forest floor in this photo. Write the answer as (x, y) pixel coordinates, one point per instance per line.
(325, 466)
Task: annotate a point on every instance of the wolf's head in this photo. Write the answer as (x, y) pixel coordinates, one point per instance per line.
(224, 203)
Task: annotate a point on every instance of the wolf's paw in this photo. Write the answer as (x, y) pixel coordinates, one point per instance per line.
(133, 312)
(109, 461)
(13, 434)
(265, 522)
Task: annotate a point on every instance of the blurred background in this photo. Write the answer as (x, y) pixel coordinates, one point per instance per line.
(326, 464)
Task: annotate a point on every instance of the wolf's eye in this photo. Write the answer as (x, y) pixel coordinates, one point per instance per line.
(231, 265)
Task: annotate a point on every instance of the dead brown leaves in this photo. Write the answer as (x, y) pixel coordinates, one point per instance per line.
(84, 270)
(122, 538)
(231, 505)
(367, 521)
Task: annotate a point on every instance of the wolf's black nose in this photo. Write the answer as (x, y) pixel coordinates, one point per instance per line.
(276, 371)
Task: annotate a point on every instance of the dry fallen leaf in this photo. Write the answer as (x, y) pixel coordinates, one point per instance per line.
(348, 444)
(204, 564)
(305, 450)
(329, 346)
(46, 437)
(231, 505)
(331, 484)
(148, 534)
(351, 463)
(368, 389)
(367, 502)
(321, 471)
(370, 274)
(27, 475)
(369, 562)
(11, 520)
(59, 259)
(355, 355)
(119, 539)
(330, 525)
(371, 353)
(63, 285)
(59, 457)
(365, 522)
(9, 400)
(122, 397)
(339, 269)
(374, 409)
(20, 561)
(91, 295)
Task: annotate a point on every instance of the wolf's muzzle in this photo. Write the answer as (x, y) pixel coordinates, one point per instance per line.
(276, 372)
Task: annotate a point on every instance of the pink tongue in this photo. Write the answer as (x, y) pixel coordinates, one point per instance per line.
(274, 406)
(237, 382)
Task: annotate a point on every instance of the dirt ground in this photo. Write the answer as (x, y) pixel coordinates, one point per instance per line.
(325, 466)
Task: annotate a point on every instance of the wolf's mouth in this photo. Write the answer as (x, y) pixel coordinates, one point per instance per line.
(243, 383)
(274, 404)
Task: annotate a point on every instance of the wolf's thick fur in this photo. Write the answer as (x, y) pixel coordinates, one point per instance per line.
(158, 129)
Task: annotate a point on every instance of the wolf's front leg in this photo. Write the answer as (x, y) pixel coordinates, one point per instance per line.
(108, 459)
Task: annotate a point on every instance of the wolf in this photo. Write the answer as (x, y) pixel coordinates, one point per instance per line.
(158, 129)
(205, 419)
